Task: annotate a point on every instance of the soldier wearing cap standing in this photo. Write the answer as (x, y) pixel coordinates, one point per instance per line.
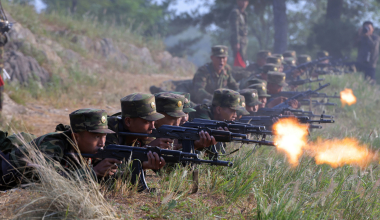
(251, 100)
(213, 76)
(239, 29)
(261, 89)
(138, 115)
(88, 131)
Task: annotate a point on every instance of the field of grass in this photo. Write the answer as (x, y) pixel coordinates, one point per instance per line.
(260, 185)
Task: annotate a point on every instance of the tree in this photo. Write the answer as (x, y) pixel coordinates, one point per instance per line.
(280, 22)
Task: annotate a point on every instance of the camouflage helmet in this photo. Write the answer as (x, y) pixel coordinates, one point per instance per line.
(170, 103)
(187, 103)
(290, 53)
(270, 67)
(303, 59)
(242, 103)
(274, 60)
(261, 89)
(277, 78)
(219, 51)
(91, 120)
(322, 54)
(251, 97)
(226, 98)
(263, 54)
(140, 105)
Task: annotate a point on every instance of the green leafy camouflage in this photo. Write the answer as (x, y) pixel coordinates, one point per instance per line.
(261, 89)
(140, 105)
(251, 97)
(277, 78)
(274, 60)
(170, 103)
(202, 111)
(187, 103)
(242, 111)
(239, 31)
(92, 120)
(226, 98)
(206, 81)
(219, 51)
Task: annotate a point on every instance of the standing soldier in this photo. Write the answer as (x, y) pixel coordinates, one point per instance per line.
(213, 76)
(3, 41)
(239, 29)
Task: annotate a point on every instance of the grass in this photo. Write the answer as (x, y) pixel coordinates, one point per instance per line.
(264, 185)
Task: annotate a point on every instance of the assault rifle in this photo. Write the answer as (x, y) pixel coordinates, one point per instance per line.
(316, 103)
(307, 65)
(187, 136)
(267, 121)
(139, 154)
(303, 81)
(289, 94)
(233, 126)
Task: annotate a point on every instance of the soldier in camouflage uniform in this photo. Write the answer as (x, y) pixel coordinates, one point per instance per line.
(3, 41)
(186, 106)
(261, 89)
(242, 111)
(213, 76)
(251, 100)
(276, 61)
(261, 60)
(138, 115)
(89, 130)
(276, 82)
(239, 29)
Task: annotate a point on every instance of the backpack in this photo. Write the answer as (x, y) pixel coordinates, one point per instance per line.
(7, 143)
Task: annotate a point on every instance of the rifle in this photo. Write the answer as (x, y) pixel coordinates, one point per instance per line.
(303, 81)
(315, 103)
(289, 94)
(267, 121)
(296, 112)
(139, 154)
(187, 136)
(233, 126)
(307, 65)
(302, 95)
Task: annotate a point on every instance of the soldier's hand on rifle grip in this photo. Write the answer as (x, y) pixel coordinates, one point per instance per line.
(163, 143)
(205, 141)
(106, 167)
(154, 162)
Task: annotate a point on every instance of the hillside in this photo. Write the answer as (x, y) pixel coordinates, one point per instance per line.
(58, 64)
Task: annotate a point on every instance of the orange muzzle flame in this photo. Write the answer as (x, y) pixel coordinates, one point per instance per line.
(347, 97)
(291, 138)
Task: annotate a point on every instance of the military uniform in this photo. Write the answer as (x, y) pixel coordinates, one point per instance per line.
(261, 89)
(3, 41)
(206, 80)
(136, 105)
(55, 147)
(239, 32)
(276, 78)
(254, 67)
(251, 97)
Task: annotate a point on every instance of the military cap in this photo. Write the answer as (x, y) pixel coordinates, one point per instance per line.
(290, 61)
(140, 105)
(251, 97)
(303, 59)
(91, 120)
(322, 54)
(219, 51)
(270, 67)
(274, 60)
(226, 98)
(171, 104)
(256, 81)
(261, 89)
(278, 56)
(187, 103)
(242, 103)
(263, 54)
(277, 78)
(290, 53)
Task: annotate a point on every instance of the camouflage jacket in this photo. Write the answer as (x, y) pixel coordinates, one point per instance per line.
(115, 124)
(54, 147)
(206, 81)
(202, 111)
(239, 27)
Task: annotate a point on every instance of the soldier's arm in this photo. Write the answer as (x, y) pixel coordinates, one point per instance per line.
(199, 86)
(234, 24)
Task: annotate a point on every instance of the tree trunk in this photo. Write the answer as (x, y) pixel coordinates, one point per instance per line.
(280, 21)
(334, 10)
